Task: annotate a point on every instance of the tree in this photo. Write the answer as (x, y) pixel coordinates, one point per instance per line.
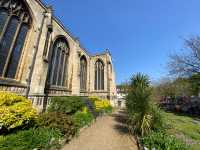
(195, 84)
(143, 115)
(188, 63)
(123, 87)
(173, 88)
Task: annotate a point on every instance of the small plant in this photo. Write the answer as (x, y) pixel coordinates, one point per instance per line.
(157, 118)
(108, 110)
(67, 105)
(83, 118)
(15, 111)
(40, 138)
(162, 141)
(59, 121)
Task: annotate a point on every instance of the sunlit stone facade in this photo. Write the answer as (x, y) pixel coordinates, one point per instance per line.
(48, 61)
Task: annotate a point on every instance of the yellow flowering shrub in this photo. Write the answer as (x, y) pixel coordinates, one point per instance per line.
(100, 104)
(15, 111)
(106, 103)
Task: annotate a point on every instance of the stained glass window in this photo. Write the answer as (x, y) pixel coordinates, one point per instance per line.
(58, 63)
(15, 57)
(6, 42)
(83, 73)
(14, 24)
(99, 75)
(3, 18)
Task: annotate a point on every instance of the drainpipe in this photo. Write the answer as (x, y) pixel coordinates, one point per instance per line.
(34, 56)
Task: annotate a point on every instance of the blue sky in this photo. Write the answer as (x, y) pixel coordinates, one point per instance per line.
(140, 34)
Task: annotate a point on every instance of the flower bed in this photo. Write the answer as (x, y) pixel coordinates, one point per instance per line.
(22, 128)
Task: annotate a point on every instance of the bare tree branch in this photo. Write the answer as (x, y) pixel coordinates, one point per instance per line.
(187, 63)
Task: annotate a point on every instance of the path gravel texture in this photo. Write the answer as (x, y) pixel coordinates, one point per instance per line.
(107, 133)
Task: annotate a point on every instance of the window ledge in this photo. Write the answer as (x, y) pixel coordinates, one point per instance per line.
(83, 91)
(58, 88)
(11, 82)
(99, 91)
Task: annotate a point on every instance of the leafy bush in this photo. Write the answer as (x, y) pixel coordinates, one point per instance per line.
(68, 105)
(157, 118)
(162, 141)
(60, 121)
(83, 118)
(15, 111)
(40, 138)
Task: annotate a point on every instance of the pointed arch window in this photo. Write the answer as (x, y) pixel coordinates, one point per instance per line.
(83, 73)
(15, 22)
(99, 75)
(58, 64)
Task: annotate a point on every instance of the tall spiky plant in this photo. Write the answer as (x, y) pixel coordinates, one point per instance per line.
(138, 104)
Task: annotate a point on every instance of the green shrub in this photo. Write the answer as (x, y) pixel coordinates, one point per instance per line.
(83, 119)
(67, 105)
(162, 141)
(157, 118)
(15, 111)
(40, 138)
(60, 121)
(108, 109)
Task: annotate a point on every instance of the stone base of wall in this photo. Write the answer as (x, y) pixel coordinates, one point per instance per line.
(103, 95)
(13, 89)
(58, 92)
(41, 101)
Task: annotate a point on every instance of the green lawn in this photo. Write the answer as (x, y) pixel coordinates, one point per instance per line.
(185, 128)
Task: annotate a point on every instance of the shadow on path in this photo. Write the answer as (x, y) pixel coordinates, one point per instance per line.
(121, 122)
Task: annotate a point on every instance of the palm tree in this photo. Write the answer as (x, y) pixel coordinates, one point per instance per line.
(138, 104)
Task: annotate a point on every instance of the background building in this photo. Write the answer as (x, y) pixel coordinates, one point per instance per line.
(120, 101)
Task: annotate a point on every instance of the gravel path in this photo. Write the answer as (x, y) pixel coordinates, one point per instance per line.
(107, 133)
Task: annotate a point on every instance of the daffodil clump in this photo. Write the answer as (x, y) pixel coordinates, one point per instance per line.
(101, 104)
(15, 111)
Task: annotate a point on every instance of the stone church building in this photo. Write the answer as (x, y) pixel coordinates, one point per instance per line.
(40, 58)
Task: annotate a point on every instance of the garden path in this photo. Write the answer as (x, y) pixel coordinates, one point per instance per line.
(107, 133)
